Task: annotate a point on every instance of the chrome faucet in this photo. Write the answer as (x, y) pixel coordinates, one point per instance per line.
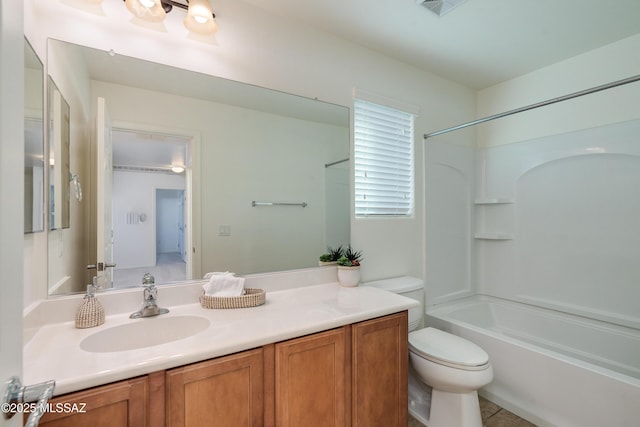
(150, 294)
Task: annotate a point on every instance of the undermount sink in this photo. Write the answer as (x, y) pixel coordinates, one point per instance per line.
(143, 333)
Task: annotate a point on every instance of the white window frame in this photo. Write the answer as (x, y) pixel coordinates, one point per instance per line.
(383, 161)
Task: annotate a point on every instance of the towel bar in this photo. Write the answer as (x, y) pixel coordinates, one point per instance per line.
(254, 204)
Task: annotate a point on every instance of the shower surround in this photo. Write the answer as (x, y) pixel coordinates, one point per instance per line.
(548, 223)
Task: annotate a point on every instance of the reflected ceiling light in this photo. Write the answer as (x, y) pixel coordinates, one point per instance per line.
(200, 17)
(177, 169)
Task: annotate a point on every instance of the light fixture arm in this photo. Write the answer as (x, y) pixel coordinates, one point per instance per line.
(200, 18)
(167, 5)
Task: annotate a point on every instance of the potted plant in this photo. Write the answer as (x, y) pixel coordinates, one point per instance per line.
(331, 257)
(349, 267)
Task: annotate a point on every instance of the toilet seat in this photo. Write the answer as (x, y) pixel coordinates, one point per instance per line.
(446, 349)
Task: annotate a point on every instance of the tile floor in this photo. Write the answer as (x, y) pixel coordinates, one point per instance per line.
(169, 268)
(492, 416)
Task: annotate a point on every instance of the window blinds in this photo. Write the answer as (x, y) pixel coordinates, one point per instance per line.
(383, 160)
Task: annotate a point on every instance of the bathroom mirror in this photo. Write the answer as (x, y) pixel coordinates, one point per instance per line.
(33, 141)
(239, 144)
(59, 172)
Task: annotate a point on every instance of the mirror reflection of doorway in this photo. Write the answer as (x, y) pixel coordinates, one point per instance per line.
(170, 235)
(150, 218)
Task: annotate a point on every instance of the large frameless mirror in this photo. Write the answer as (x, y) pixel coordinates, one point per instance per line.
(238, 144)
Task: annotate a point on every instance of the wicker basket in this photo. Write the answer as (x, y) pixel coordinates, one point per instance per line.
(251, 298)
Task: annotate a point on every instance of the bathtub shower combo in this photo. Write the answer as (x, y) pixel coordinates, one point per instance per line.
(533, 253)
(550, 367)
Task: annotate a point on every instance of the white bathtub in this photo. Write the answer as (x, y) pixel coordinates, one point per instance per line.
(551, 368)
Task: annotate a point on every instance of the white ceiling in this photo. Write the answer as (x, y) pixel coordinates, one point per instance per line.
(148, 150)
(479, 43)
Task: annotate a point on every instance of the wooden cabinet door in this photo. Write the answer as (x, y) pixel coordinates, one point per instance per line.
(227, 391)
(380, 376)
(311, 380)
(119, 404)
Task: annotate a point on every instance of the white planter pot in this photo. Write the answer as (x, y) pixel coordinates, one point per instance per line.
(324, 263)
(349, 276)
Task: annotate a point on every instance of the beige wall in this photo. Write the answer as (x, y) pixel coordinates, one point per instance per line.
(610, 63)
(245, 155)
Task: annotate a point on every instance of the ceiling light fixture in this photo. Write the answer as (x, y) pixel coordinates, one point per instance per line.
(200, 17)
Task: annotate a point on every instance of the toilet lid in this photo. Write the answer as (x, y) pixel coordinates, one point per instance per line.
(447, 349)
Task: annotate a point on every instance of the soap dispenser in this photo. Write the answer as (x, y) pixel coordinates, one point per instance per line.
(90, 313)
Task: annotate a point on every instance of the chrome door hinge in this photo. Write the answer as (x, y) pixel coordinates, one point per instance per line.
(17, 396)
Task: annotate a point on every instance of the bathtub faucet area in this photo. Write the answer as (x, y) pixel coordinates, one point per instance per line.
(150, 294)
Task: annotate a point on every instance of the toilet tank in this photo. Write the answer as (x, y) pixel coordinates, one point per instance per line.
(410, 287)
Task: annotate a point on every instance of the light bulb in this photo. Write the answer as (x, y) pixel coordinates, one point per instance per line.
(200, 19)
(148, 10)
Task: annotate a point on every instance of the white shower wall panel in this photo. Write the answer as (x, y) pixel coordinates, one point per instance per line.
(449, 188)
(575, 204)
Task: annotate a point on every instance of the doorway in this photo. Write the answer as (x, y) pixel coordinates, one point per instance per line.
(170, 235)
(151, 212)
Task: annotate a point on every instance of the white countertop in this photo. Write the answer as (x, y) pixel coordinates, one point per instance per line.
(53, 352)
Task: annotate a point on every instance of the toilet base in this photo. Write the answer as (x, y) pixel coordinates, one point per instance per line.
(436, 408)
(454, 409)
(419, 398)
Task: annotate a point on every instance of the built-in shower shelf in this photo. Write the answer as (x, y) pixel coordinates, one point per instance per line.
(493, 236)
(492, 201)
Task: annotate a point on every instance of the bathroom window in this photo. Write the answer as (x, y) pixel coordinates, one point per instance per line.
(383, 160)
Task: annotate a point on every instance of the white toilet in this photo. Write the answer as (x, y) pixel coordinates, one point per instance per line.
(445, 370)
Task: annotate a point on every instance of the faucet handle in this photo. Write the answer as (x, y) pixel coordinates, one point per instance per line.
(148, 279)
(150, 292)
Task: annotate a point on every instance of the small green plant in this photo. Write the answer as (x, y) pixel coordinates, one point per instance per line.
(326, 257)
(344, 261)
(332, 255)
(335, 253)
(350, 258)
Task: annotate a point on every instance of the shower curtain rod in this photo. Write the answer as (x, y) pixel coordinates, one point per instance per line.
(536, 105)
(336, 162)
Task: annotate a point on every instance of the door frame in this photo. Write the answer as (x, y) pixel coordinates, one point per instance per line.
(11, 194)
(104, 192)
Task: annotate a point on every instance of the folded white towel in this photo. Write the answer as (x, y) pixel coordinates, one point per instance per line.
(223, 284)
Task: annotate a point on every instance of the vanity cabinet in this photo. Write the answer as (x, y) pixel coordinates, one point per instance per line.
(311, 374)
(379, 372)
(355, 375)
(351, 376)
(125, 403)
(226, 391)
